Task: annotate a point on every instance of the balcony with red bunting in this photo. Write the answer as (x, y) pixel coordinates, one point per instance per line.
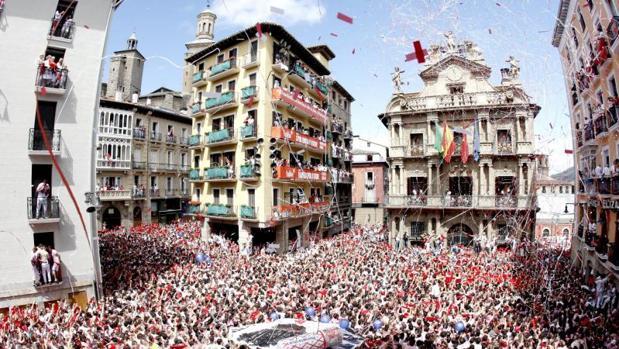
(298, 105)
(299, 140)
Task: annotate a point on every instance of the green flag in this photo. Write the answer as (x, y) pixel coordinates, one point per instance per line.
(438, 141)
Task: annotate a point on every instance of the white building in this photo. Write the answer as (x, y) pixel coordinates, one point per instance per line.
(67, 97)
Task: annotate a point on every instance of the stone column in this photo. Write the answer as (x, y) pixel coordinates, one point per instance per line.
(281, 237)
(482, 179)
(429, 136)
(491, 179)
(520, 180)
(430, 192)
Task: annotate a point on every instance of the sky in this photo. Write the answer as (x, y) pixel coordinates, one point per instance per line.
(380, 36)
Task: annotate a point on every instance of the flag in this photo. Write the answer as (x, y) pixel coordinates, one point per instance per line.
(476, 145)
(464, 149)
(438, 141)
(569, 151)
(448, 143)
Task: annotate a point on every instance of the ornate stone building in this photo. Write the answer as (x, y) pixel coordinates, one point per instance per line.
(486, 188)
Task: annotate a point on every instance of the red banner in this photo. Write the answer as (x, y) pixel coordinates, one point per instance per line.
(291, 173)
(287, 97)
(294, 136)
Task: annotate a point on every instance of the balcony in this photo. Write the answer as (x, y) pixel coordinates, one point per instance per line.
(48, 210)
(219, 174)
(139, 133)
(220, 211)
(138, 165)
(195, 176)
(155, 193)
(248, 131)
(113, 164)
(589, 134)
(248, 212)
(36, 146)
(249, 173)
(197, 110)
(169, 167)
(524, 148)
(601, 128)
(170, 139)
(194, 210)
(138, 193)
(337, 128)
(340, 176)
(460, 101)
(299, 77)
(614, 185)
(198, 79)
(195, 141)
(603, 185)
(504, 148)
(506, 201)
(155, 137)
(299, 106)
(224, 101)
(226, 68)
(114, 195)
(299, 140)
(249, 92)
(250, 60)
(221, 137)
(51, 81)
(612, 31)
(417, 150)
(404, 200)
(282, 212)
(62, 30)
(287, 173)
(183, 141)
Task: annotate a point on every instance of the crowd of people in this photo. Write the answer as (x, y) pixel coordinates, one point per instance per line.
(52, 73)
(165, 287)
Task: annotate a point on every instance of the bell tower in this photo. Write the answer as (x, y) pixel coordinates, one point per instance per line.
(205, 34)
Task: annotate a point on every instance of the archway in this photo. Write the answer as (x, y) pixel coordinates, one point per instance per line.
(459, 234)
(137, 216)
(111, 217)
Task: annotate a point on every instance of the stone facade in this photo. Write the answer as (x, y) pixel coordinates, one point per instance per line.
(428, 196)
(369, 187)
(587, 37)
(126, 69)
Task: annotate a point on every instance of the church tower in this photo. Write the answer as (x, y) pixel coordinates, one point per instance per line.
(205, 30)
(126, 69)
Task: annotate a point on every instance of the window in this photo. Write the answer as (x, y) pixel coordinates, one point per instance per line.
(169, 183)
(575, 38)
(183, 159)
(251, 193)
(198, 127)
(275, 196)
(581, 19)
(561, 189)
(196, 161)
(369, 157)
(215, 160)
(566, 232)
(456, 89)
(136, 180)
(155, 127)
(170, 129)
(612, 86)
(153, 182)
(231, 85)
(232, 53)
(216, 196)
(546, 232)
(543, 188)
(370, 176)
(253, 50)
(229, 121)
(219, 88)
(220, 58)
(417, 229)
(252, 79)
(138, 122)
(230, 197)
(198, 193)
(216, 124)
(201, 66)
(606, 157)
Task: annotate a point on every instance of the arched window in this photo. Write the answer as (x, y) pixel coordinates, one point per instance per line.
(209, 28)
(566, 232)
(546, 232)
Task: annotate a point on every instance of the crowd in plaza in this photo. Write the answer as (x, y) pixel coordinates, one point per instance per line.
(164, 287)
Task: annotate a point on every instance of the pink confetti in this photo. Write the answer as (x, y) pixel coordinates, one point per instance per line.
(344, 18)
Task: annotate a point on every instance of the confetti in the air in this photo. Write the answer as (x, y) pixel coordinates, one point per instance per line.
(334, 35)
(277, 10)
(353, 51)
(569, 151)
(344, 18)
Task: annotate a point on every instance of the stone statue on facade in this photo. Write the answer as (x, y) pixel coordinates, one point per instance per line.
(451, 42)
(514, 68)
(473, 51)
(396, 77)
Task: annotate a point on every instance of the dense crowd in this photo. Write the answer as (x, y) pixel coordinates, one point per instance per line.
(158, 294)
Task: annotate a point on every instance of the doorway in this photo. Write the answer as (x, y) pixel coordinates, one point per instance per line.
(111, 218)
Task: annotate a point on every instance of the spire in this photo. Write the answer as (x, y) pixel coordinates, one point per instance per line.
(132, 42)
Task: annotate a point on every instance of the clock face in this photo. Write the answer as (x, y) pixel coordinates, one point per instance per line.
(454, 73)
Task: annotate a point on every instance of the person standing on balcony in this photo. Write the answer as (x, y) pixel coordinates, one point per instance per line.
(45, 267)
(56, 21)
(66, 28)
(56, 265)
(34, 261)
(42, 195)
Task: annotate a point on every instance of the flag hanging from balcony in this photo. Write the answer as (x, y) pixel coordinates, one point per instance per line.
(464, 149)
(438, 141)
(476, 145)
(448, 143)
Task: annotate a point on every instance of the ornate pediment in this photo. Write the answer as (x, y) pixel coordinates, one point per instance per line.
(455, 64)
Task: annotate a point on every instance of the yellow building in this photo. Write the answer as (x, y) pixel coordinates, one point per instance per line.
(271, 140)
(586, 36)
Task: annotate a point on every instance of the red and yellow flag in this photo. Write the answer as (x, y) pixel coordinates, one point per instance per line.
(449, 146)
